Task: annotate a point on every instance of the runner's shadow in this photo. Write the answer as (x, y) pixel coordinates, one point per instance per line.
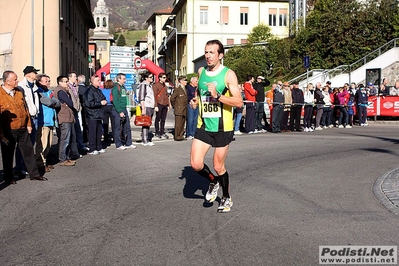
(194, 182)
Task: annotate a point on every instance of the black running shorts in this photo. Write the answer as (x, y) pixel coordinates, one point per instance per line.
(215, 139)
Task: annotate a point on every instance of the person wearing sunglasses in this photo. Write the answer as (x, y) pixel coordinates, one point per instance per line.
(161, 106)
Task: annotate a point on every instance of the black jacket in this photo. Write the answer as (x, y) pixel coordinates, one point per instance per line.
(93, 97)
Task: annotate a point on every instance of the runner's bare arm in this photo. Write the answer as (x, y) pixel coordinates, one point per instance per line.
(235, 99)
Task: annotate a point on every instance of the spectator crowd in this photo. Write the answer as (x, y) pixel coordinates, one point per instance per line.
(87, 119)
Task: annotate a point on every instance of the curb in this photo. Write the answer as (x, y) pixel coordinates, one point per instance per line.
(386, 192)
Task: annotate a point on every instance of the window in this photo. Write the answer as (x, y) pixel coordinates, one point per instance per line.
(224, 15)
(272, 16)
(283, 17)
(104, 22)
(203, 15)
(243, 15)
(98, 21)
(230, 41)
(244, 41)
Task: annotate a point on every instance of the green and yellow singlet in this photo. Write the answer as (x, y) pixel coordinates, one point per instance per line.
(213, 115)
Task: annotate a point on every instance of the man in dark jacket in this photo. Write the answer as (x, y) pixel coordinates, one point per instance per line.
(259, 86)
(296, 108)
(278, 108)
(94, 102)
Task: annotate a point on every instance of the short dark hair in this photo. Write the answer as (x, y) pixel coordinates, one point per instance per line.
(59, 78)
(221, 47)
(249, 77)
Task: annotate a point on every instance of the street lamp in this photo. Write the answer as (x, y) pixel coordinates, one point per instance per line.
(177, 69)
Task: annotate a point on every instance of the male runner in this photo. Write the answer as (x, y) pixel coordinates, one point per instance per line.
(218, 93)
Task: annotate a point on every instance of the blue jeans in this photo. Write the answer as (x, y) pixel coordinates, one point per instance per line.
(67, 142)
(192, 121)
(125, 128)
(237, 122)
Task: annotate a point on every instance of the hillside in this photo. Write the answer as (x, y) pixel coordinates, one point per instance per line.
(131, 14)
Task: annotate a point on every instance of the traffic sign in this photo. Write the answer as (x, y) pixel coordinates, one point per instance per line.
(121, 54)
(137, 62)
(123, 70)
(121, 65)
(121, 49)
(122, 59)
(306, 61)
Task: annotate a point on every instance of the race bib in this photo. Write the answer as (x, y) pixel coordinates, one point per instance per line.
(210, 107)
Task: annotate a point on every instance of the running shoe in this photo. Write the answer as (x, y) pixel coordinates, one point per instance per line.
(225, 204)
(94, 153)
(102, 151)
(164, 136)
(237, 132)
(148, 143)
(121, 148)
(131, 147)
(212, 192)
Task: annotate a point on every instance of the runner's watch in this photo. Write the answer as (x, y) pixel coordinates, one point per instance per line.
(218, 95)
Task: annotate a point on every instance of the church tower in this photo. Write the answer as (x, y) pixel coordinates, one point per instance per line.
(101, 16)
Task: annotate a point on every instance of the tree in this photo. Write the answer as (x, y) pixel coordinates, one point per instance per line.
(247, 60)
(260, 33)
(121, 40)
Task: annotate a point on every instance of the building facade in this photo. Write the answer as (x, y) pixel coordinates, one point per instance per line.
(196, 22)
(50, 35)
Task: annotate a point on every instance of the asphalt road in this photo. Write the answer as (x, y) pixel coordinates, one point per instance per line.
(292, 192)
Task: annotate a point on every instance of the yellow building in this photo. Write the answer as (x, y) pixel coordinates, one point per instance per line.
(47, 34)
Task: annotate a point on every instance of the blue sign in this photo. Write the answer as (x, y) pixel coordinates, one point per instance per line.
(306, 61)
(130, 80)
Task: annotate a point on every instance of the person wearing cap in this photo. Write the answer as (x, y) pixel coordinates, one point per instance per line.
(15, 126)
(296, 108)
(278, 108)
(371, 90)
(29, 89)
(328, 84)
(259, 86)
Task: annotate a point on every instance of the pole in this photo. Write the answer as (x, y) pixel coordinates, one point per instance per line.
(33, 34)
(177, 66)
(43, 71)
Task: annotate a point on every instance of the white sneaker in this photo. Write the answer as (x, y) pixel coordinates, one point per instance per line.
(225, 205)
(250, 132)
(237, 132)
(148, 144)
(365, 124)
(311, 129)
(121, 148)
(94, 153)
(348, 126)
(212, 192)
(318, 128)
(330, 126)
(340, 126)
(131, 147)
(325, 127)
(256, 131)
(102, 151)
(263, 131)
(306, 129)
